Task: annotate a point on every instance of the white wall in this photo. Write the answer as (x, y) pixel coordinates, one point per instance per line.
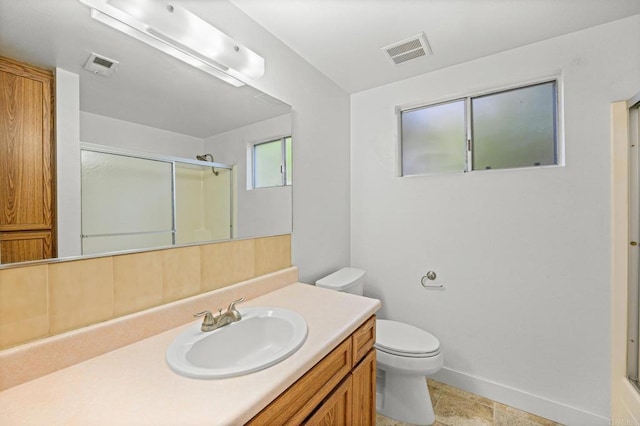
(264, 211)
(109, 131)
(68, 163)
(524, 255)
(320, 239)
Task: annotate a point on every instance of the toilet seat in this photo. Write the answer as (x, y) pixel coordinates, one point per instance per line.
(405, 340)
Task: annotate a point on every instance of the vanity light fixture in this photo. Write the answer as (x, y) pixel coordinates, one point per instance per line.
(177, 32)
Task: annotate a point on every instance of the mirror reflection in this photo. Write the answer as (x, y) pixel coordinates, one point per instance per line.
(162, 201)
(154, 110)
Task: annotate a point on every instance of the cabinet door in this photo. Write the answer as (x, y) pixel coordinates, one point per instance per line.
(336, 410)
(25, 246)
(26, 147)
(302, 398)
(364, 391)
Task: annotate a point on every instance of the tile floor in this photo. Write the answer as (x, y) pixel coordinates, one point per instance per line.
(455, 407)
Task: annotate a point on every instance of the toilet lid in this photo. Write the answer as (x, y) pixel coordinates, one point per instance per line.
(400, 338)
(342, 279)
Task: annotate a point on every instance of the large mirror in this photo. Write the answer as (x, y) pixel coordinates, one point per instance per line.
(153, 106)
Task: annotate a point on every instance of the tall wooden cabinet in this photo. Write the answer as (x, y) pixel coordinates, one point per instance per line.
(27, 184)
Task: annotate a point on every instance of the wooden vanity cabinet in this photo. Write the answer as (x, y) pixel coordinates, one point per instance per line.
(27, 219)
(364, 391)
(338, 390)
(337, 409)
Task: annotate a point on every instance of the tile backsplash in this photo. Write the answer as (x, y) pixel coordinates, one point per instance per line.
(44, 300)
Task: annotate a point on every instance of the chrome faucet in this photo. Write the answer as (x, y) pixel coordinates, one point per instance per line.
(211, 322)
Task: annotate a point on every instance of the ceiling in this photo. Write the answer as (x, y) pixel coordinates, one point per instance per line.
(343, 38)
(149, 87)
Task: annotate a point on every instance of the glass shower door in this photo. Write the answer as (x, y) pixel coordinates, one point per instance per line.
(203, 203)
(126, 203)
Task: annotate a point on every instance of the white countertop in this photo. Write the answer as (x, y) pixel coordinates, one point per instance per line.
(134, 386)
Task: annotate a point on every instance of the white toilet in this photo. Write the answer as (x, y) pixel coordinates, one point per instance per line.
(405, 355)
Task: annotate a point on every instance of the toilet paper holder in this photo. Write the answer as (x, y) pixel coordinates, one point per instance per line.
(431, 276)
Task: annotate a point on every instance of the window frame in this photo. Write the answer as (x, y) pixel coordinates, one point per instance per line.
(468, 119)
(284, 167)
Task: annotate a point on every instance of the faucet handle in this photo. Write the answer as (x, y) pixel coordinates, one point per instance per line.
(232, 305)
(233, 310)
(208, 321)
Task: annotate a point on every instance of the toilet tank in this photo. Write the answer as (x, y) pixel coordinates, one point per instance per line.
(349, 280)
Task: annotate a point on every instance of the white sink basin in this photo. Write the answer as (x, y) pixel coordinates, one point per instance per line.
(262, 338)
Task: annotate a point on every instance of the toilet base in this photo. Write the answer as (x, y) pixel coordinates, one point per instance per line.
(404, 397)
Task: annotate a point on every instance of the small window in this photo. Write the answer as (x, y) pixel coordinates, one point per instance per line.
(272, 163)
(509, 129)
(433, 139)
(516, 128)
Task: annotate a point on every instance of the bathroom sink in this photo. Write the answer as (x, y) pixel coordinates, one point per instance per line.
(262, 338)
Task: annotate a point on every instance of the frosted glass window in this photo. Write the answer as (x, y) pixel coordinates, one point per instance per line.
(272, 163)
(433, 139)
(516, 128)
(267, 164)
(508, 129)
(288, 159)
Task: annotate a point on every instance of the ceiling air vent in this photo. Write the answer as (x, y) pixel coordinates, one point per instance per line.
(98, 64)
(407, 49)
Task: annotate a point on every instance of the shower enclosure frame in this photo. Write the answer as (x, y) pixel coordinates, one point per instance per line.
(172, 160)
(633, 325)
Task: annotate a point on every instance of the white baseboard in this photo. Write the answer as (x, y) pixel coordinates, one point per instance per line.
(537, 405)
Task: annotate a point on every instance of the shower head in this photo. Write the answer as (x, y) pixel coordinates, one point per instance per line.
(204, 157)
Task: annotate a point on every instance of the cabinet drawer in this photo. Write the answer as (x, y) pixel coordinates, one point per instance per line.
(363, 339)
(301, 399)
